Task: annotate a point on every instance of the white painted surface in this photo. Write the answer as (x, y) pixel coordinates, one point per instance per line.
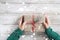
(31, 1)
(10, 13)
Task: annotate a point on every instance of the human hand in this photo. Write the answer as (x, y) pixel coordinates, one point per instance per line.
(22, 23)
(46, 22)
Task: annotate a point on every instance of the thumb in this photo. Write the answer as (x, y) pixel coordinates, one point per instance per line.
(23, 26)
(20, 22)
(45, 25)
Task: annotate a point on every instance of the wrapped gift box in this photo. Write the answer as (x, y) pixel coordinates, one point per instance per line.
(38, 20)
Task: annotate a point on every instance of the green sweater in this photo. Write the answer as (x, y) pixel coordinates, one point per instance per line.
(17, 33)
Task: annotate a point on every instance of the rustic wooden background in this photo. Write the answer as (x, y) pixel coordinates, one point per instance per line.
(11, 10)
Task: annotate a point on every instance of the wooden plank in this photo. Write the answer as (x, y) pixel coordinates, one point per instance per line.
(17, 8)
(13, 18)
(31, 1)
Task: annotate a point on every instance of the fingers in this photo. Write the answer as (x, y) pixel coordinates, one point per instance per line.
(45, 25)
(21, 21)
(46, 20)
(24, 24)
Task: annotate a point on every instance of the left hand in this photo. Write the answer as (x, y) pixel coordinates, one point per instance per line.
(22, 23)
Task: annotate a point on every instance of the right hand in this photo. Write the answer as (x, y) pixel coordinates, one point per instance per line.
(46, 23)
